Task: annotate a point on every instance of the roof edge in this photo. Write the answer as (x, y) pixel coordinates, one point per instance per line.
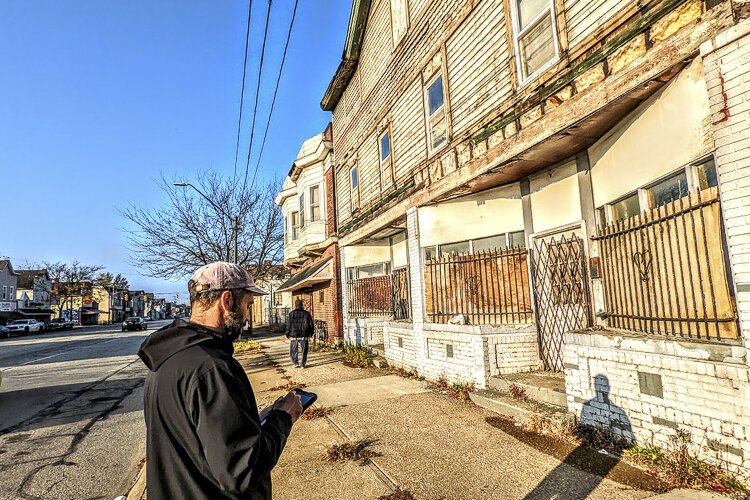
(352, 46)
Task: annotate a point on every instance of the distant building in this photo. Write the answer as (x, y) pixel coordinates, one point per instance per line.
(8, 286)
(34, 294)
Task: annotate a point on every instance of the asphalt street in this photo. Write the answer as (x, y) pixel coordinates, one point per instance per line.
(71, 413)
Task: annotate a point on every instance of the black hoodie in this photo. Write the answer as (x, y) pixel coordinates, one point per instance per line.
(203, 433)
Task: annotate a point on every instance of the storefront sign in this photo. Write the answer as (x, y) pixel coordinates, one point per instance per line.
(6, 306)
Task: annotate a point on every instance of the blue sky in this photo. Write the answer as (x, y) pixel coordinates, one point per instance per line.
(98, 98)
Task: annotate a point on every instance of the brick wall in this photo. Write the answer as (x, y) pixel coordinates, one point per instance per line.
(727, 67)
(514, 352)
(647, 388)
(398, 338)
(328, 309)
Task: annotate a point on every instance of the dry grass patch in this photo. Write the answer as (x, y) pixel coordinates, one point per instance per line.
(680, 468)
(458, 390)
(287, 387)
(317, 412)
(246, 346)
(518, 393)
(399, 494)
(356, 451)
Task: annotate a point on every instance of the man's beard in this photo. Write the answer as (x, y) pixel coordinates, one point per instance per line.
(233, 323)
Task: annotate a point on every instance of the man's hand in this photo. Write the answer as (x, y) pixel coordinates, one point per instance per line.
(290, 403)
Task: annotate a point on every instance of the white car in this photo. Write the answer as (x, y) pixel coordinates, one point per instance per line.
(24, 326)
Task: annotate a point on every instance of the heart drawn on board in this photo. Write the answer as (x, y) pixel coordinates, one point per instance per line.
(642, 261)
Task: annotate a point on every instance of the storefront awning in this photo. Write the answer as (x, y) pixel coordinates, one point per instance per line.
(35, 312)
(93, 311)
(318, 273)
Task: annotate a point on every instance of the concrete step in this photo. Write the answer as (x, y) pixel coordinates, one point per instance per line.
(378, 353)
(521, 410)
(542, 387)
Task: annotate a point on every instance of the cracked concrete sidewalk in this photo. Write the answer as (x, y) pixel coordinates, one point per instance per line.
(431, 445)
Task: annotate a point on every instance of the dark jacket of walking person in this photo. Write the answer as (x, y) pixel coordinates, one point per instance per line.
(204, 438)
(299, 328)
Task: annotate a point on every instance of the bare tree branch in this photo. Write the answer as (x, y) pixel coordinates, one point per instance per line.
(172, 240)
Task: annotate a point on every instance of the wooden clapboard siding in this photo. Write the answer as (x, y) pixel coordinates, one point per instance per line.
(478, 65)
(407, 126)
(416, 7)
(399, 19)
(376, 46)
(584, 17)
(369, 173)
(346, 111)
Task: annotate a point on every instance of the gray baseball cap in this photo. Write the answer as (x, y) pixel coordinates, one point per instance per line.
(224, 276)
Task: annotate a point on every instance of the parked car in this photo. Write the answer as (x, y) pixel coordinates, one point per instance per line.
(59, 324)
(134, 323)
(4, 332)
(24, 326)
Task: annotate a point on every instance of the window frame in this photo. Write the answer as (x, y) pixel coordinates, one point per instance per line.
(517, 33)
(315, 205)
(438, 251)
(606, 213)
(295, 224)
(444, 108)
(301, 210)
(354, 189)
(387, 179)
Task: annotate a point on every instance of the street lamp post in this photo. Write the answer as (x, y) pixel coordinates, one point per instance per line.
(235, 220)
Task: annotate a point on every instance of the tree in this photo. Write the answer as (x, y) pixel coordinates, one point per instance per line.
(107, 280)
(69, 280)
(191, 230)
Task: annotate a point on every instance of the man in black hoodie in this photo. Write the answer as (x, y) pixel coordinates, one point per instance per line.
(204, 437)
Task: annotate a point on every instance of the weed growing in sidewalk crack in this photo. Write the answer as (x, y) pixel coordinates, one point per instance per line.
(458, 390)
(357, 451)
(517, 392)
(358, 356)
(399, 494)
(317, 412)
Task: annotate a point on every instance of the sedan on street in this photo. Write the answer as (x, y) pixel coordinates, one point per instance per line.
(134, 323)
(4, 332)
(24, 326)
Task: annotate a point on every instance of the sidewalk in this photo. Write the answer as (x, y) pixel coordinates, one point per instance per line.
(430, 445)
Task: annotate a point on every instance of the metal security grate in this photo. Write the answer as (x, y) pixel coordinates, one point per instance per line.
(561, 294)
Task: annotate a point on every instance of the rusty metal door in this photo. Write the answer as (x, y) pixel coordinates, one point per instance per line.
(561, 293)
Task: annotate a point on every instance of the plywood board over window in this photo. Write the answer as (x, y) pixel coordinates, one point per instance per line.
(399, 20)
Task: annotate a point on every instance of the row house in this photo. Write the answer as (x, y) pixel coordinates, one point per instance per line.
(34, 294)
(8, 286)
(273, 308)
(555, 186)
(310, 244)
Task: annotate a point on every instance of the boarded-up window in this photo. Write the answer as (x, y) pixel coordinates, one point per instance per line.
(399, 19)
(665, 269)
(535, 35)
(486, 287)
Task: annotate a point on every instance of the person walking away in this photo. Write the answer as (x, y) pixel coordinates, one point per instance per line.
(299, 328)
(204, 436)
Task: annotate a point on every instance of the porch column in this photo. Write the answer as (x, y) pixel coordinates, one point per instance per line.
(416, 285)
(727, 70)
(588, 212)
(344, 295)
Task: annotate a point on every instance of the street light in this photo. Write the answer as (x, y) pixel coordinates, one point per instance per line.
(235, 222)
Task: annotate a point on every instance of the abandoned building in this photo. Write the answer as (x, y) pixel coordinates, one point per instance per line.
(554, 188)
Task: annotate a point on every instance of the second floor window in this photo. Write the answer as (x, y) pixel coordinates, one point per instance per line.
(354, 177)
(535, 35)
(295, 225)
(436, 118)
(301, 213)
(314, 203)
(5, 292)
(386, 166)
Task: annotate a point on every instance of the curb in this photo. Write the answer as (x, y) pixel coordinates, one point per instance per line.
(138, 490)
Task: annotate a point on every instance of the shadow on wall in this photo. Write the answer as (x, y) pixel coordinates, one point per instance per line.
(600, 420)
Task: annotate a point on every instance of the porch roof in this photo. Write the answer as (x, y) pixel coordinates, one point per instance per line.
(318, 273)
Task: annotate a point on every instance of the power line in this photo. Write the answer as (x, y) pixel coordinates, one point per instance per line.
(242, 93)
(257, 93)
(276, 90)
